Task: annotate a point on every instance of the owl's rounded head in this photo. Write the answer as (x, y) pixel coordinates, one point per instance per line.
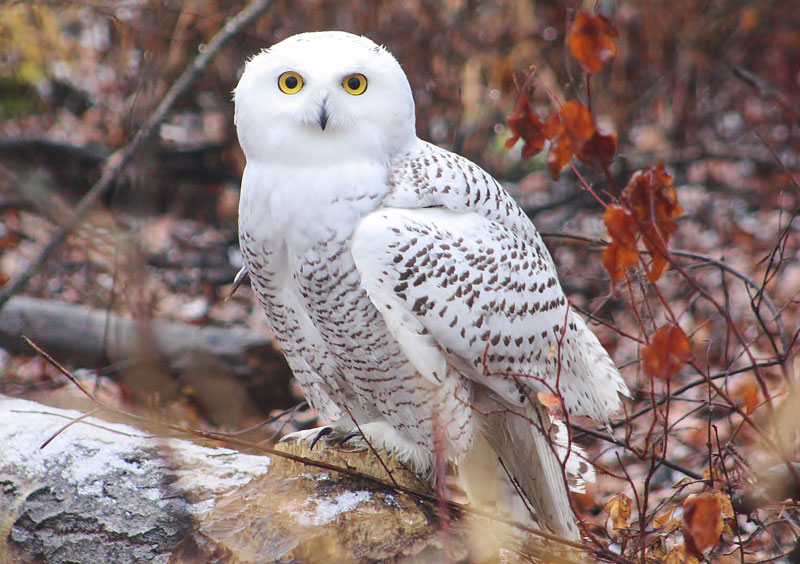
(323, 96)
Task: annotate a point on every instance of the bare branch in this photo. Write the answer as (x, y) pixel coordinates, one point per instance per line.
(117, 162)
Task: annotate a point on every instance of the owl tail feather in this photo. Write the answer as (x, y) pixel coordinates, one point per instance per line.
(528, 456)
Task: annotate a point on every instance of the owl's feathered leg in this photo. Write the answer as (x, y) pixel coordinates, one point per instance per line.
(337, 434)
(528, 456)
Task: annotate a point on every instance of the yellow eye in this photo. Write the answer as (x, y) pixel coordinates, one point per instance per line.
(290, 82)
(355, 84)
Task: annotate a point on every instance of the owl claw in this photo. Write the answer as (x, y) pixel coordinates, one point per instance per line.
(347, 436)
(322, 432)
(330, 436)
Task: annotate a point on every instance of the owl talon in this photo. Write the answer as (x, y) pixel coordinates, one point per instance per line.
(324, 431)
(347, 436)
(237, 281)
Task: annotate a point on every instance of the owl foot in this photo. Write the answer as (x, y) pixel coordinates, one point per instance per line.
(330, 437)
(379, 436)
(324, 431)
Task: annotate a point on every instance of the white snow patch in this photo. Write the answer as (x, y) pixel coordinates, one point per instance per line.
(194, 474)
(327, 509)
(87, 456)
(318, 477)
(29, 430)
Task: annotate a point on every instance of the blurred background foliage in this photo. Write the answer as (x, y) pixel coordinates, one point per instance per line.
(89, 72)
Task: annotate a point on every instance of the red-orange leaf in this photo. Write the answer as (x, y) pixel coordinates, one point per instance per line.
(593, 41)
(668, 351)
(567, 130)
(702, 522)
(571, 131)
(525, 125)
(621, 253)
(559, 155)
(553, 127)
(651, 196)
(747, 398)
(617, 259)
(599, 150)
(577, 121)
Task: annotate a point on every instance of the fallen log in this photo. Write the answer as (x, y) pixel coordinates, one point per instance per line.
(102, 492)
(248, 366)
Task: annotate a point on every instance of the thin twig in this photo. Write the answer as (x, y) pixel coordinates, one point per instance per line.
(615, 441)
(60, 368)
(786, 341)
(70, 424)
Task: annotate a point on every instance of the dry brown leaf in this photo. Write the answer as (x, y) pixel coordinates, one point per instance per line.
(657, 550)
(668, 351)
(619, 511)
(702, 522)
(678, 556)
(725, 506)
(667, 522)
(683, 482)
(550, 401)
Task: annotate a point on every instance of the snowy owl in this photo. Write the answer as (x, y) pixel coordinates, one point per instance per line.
(414, 300)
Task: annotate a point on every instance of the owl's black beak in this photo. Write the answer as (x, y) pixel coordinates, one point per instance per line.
(323, 114)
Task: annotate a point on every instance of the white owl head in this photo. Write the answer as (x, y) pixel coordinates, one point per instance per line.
(323, 96)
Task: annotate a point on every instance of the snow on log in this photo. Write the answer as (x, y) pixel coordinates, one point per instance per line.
(103, 492)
